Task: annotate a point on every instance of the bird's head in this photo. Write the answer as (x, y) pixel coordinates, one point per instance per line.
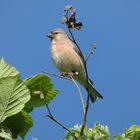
(57, 34)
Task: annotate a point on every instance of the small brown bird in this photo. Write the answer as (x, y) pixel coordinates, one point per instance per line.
(68, 58)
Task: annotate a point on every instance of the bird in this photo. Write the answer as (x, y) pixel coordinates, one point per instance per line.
(68, 58)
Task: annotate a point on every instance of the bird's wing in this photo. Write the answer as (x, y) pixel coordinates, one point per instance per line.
(79, 52)
(77, 49)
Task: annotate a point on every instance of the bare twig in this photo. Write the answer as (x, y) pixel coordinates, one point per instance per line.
(40, 93)
(90, 53)
(85, 108)
(57, 122)
(85, 117)
(69, 77)
(56, 75)
(69, 29)
(72, 37)
(79, 91)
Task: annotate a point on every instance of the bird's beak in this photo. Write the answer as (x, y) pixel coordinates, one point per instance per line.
(49, 35)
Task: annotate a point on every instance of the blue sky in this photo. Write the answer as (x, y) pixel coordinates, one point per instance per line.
(114, 66)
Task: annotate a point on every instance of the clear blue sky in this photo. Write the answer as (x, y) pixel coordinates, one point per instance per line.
(115, 65)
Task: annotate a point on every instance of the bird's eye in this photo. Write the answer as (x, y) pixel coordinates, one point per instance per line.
(56, 33)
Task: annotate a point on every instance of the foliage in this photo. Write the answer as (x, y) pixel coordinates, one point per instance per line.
(19, 124)
(39, 85)
(18, 98)
(100, 132)
(5, 133)
(13, 92)
(132, 133)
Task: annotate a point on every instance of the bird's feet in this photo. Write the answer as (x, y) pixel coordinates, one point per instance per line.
(70, 75)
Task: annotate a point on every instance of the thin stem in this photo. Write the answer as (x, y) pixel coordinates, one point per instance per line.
(71, 78)
(56, 75)
(89, 53)
(85, 108)
(73, 39)
(85, 117)
(57, 122)
(79, 91)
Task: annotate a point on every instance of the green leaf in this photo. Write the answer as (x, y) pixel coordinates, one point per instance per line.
(133, 132)
(13, 96)
(99, 132)
(119, 137)
(76, 131)
(7, 70)
(19, 124)
(5, 133)
(41, 90)
(68, 137)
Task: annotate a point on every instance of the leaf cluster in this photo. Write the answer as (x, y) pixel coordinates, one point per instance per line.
(100, 132)
(18, 98)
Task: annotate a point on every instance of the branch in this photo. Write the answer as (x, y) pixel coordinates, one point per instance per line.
(85, 117)
(79, 91)
(60, 124)
(71, 22)
(52, 117)
(73, 39)
(68, 76)
(57, 122)
(67, 21)
(56, 75)
(90, 51)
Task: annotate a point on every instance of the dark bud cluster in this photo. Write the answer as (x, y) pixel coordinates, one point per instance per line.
(70, 18)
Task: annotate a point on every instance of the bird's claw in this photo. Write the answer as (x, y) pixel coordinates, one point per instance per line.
(69, 74)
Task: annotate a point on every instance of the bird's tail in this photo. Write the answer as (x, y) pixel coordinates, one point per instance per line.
(93, 93)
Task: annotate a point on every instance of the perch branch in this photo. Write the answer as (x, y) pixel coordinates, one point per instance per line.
(68, 76)
(79, 91)
(56, 75)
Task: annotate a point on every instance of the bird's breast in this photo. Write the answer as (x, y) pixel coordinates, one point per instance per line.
(66, 59)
